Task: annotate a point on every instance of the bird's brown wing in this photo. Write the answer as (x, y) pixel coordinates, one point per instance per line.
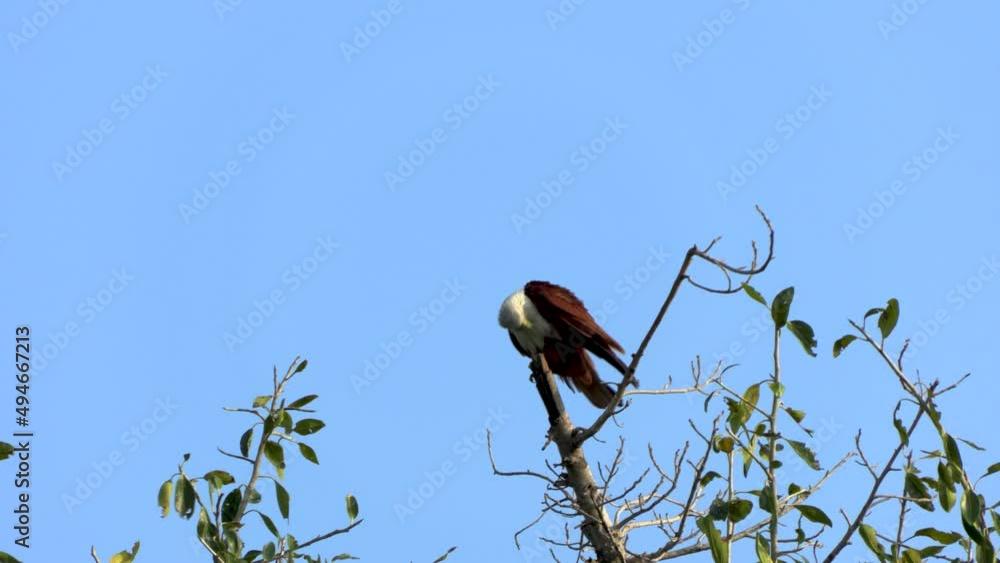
(568, 316)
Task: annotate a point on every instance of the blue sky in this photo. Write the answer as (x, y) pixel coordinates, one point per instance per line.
(376, 177)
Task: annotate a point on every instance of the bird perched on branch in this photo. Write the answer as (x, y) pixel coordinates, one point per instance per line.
(547, 318)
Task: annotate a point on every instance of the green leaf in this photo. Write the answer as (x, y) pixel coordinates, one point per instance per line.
(276, 455)
(344, 556)
(163, 497)
(352, 508)
(945, 487)
(283, 499)
(753, 293)
(245, 440)
(308, 426)
(780, 306)
(973, 445)
(814, 514)
(842, 343)
(120, 557)
(724, 444)
(914, 488)
(284, 420)
(765, 500)
(991, 470)
(268, 550)
(269, 524)
(763, 551)
(776, 387)
(308, 453)
(217, 479)
(752, 395)
(944, 475)
(873, 311)
(439, 559)
(718, 510)
(804, 333)
(254, 496)
(8, 558)
(911, 555)
(970, 516)
(708, 478)
(302, 366)
(796, 415)
(184, 498)
(737, 414)
(805, 453)
(946, 496)
(867, 534)
(231, 505)
(301, 402)
(719, 549)
(261, 401)
(947, 538)
(739, 509)
(931, 550)
(904, 437)
(205, 529)
(951, 450)
(887, 320)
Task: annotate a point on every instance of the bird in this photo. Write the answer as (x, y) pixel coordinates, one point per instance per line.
(548, 318)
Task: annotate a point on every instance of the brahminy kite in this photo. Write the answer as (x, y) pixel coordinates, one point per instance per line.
(544, 317)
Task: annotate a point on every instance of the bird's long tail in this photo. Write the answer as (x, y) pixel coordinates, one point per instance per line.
(582, 374)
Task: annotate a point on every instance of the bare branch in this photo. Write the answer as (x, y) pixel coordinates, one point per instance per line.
(489, 450)
(692, 253)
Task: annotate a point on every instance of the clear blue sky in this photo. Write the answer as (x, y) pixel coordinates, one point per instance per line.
(171, 169)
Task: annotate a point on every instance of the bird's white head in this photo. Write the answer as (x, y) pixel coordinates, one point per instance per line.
(512, 312)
